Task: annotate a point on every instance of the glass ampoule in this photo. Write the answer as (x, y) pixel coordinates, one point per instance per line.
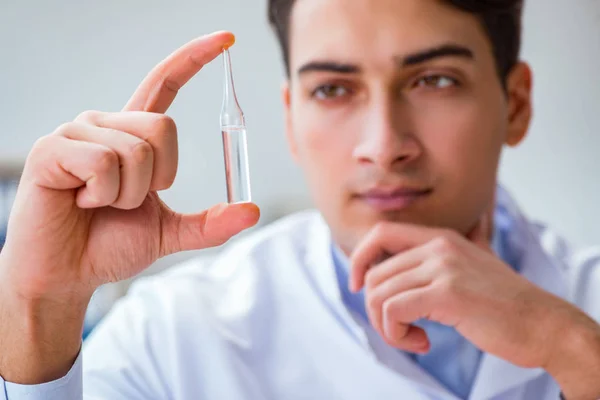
(233, 130)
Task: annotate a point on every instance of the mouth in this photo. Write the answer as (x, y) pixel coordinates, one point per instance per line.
(393, 199)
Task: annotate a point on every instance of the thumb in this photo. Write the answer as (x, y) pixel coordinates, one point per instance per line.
(210, 228)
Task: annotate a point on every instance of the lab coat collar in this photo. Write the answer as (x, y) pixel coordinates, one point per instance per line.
(319, 261)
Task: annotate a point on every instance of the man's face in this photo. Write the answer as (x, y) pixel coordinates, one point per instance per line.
(395, 112)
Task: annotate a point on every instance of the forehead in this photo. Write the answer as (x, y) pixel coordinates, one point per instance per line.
(373, 31)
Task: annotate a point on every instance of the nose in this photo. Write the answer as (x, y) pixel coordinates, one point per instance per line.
(387, 139)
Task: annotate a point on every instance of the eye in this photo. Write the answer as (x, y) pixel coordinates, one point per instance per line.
(436, 82)
(328, 92)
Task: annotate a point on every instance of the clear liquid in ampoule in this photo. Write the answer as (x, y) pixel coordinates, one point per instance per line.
(236, 164)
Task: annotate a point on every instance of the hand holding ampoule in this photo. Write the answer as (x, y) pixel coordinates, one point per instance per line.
(88, 204)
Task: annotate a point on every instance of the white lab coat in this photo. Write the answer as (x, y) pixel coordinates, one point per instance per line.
(265, 320)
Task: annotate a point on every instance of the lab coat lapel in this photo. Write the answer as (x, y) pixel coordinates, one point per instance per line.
(319, 263)
(496, 375)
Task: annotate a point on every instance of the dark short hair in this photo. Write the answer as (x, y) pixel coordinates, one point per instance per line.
(501, 20)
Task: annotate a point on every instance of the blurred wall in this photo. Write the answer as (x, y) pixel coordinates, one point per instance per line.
(61, 57)
(555, 173)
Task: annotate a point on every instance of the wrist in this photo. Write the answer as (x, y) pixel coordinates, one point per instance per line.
(575, 359)
(42, 338)
(40, 285)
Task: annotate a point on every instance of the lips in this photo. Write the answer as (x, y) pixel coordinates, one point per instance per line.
(395, 199)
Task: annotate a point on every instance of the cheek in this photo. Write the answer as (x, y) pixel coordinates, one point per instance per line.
(324, 143)
(464, 146)
(464, 139)
(323, 140)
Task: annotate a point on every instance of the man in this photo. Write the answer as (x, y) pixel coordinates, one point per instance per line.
(417, 279)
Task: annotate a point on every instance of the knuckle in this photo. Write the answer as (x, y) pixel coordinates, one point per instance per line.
(89, 116)
(388, 308)
(165, 125)
(451, 235)
(163, 183)
(169, 180)
(448, 285)
(141, 152)
(380, 229)
(444, 261)
(105, 161)
(199, 59)
(42, 143)
(40, 150)
(443, 245)
(374, 301)
(370, 279)
(65, 129)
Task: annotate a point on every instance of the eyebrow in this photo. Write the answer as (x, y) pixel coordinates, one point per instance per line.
(328, 66)
(446, 50)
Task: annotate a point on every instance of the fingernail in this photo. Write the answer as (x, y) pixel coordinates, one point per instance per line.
(251, 211)
(351, 287)
(229, 43)
(423, 347)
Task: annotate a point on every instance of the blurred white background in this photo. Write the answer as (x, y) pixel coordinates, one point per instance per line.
(61, 57)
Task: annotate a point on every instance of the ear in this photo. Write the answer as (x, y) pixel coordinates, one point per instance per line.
(287, 109)
(518, 86)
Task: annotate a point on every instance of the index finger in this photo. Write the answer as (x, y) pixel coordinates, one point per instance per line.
(158, 90)
(390, 239)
